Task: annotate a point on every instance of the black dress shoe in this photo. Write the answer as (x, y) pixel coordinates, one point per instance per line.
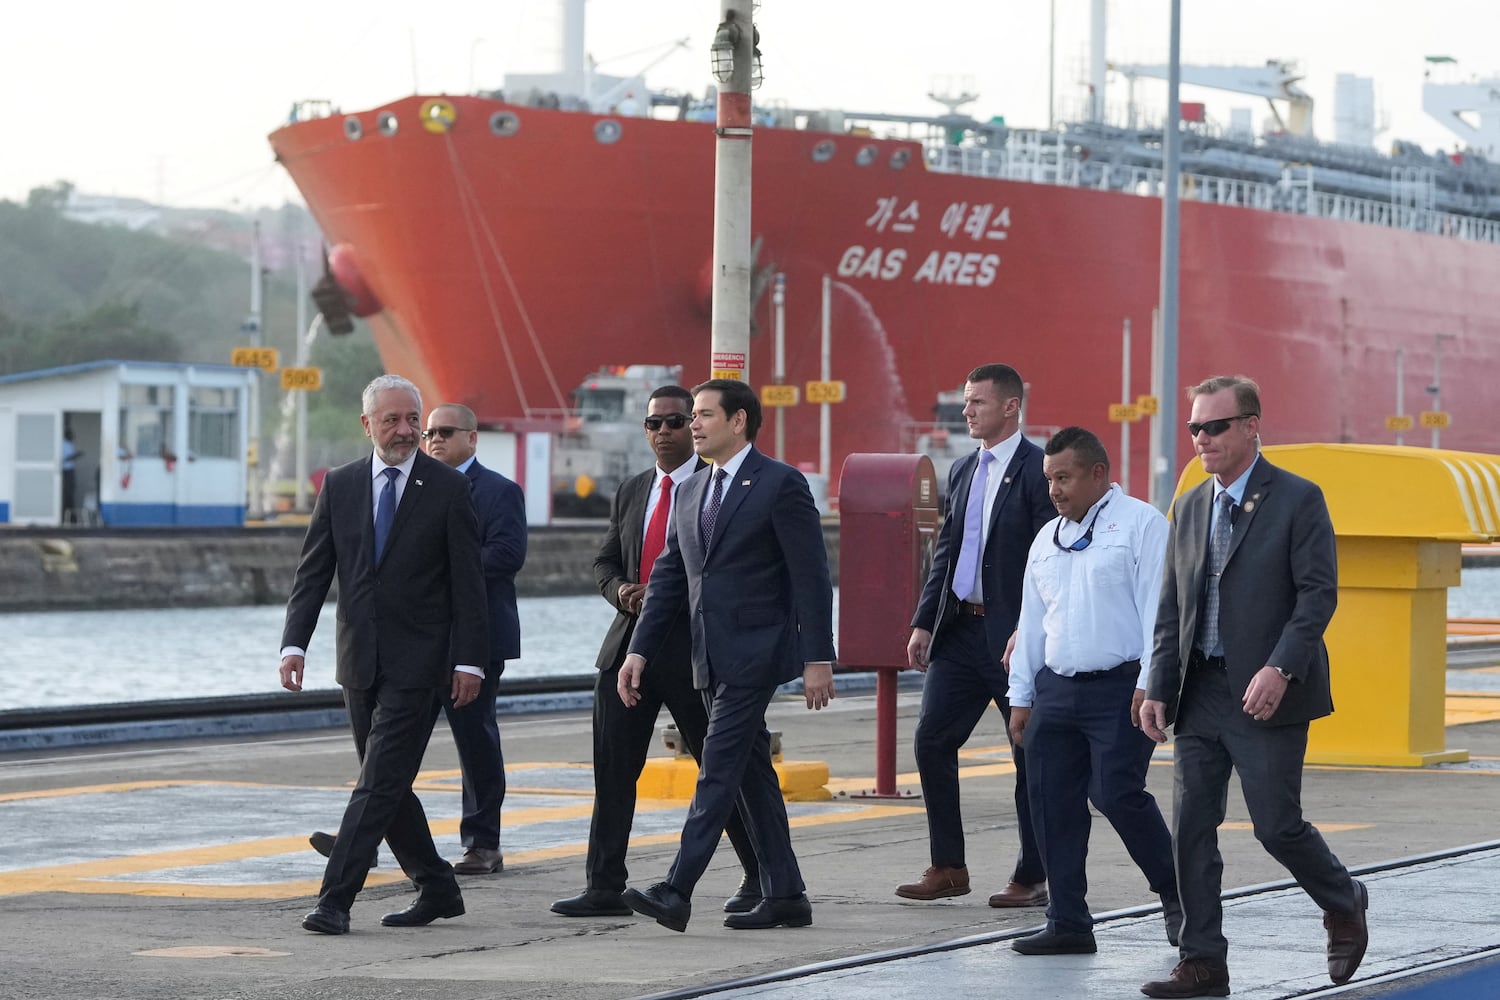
(662, 903)
(323, 844)
(794, 911)
(593, 903)
(424, 911)
(326, 920)
(746, 898)
(1054, 942)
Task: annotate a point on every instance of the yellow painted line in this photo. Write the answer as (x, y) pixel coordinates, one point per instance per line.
(1323, 827)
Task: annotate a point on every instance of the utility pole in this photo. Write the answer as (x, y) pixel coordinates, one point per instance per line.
(735, 63)
(257, 338)
(1126, 398)
(1167, 429)
(778, 299)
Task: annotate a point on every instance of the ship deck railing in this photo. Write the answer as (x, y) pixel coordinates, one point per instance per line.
(1045, 158)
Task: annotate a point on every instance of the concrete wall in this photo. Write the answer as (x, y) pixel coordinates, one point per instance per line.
(57, 571)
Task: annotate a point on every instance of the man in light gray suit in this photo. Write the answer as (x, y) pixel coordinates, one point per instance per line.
(1240, 670)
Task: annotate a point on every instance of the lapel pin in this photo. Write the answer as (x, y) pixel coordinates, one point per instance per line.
(1005, 481)
(744, 482)
(1249, 505)
(417, 481)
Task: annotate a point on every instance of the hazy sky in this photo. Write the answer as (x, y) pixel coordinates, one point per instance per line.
(171, 100)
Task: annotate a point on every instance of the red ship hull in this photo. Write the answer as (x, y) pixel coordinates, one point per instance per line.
(512, 266)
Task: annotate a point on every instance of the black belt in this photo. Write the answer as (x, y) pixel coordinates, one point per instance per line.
(1131, 667)
(965, 608)
(1202, 659)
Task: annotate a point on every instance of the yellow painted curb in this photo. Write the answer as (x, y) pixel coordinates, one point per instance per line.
(670, 778)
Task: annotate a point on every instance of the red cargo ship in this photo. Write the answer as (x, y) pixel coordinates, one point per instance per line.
(510, 250)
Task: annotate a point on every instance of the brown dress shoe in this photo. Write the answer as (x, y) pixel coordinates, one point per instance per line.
(1348, 935)
(1019, 894)
(480, 861)
(1193, 977)
(937, 882)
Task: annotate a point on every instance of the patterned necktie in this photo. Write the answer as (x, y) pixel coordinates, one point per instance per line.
(656, 531)
(1218, 555)
(967, 570)
(385, 513)
(711, 509)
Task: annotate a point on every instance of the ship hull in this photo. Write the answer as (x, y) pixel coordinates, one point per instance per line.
(512, 266)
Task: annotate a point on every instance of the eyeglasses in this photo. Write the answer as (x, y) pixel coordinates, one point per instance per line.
(1088, 536)
(676, 421)
(444, 432)
(1216, 427)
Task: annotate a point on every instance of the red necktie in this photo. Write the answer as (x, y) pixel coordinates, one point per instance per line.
(656, 531)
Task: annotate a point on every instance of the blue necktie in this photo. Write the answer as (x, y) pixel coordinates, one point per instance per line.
(385, 513)
(967, 570)
(711, 509)
(1218, 555)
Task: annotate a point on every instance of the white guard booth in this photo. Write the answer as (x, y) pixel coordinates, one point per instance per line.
(154, 444)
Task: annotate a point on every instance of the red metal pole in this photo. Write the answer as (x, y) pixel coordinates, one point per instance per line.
(885, 732)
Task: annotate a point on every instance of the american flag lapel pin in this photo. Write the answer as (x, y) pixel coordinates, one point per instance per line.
(744, 482)
(417, 481)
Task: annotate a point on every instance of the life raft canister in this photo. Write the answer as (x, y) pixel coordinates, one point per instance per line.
(438, 114)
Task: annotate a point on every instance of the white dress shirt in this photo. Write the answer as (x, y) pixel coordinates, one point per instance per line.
(1003, 451)
(1094, 608)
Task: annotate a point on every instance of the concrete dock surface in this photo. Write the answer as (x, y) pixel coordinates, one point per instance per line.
(181, 869)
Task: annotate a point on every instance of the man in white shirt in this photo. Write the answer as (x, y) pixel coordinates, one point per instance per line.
(1077, 680)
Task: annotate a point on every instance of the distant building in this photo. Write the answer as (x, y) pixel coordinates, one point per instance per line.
(159, 444)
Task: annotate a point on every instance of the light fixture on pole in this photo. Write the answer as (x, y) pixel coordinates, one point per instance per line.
(721, 52)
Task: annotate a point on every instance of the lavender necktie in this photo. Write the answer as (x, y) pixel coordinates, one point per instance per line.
(967, 569)
(1218, 555)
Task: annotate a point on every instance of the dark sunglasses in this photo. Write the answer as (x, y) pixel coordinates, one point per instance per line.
(676, 421)
(443, 432)
(1216, 427)
(1088, 536)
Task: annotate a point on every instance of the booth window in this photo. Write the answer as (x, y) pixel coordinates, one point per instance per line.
(146, 419)
(214, 423)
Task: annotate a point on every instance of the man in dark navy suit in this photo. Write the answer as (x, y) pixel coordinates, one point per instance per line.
(398, 530)
(451, 436)
(636, 537)
(745, 553)
(969, 608)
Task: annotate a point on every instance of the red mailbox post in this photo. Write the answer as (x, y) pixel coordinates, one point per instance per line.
(888, 526)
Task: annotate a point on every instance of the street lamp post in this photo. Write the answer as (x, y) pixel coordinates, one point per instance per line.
(1164, 475)
(736, 65)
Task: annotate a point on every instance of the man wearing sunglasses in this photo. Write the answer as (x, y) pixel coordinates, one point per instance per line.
(1240, 670)
(452, 437)
(1088, 610)
(967, 612)
(637, 534)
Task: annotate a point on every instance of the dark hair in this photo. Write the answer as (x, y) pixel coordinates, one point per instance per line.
(1246, 392)
(1006, 379)
(1085, 444)
(673, 392)
(735, 396)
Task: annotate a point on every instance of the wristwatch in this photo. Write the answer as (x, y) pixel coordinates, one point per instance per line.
(1284, 675)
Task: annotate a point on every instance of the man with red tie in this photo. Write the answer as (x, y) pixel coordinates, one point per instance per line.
(622, 736)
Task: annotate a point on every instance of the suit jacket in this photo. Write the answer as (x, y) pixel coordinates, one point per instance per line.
(619, 561)
(1021, 507)
(1276, 594)
(759, 597)
(418, 612)
(500, 506)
